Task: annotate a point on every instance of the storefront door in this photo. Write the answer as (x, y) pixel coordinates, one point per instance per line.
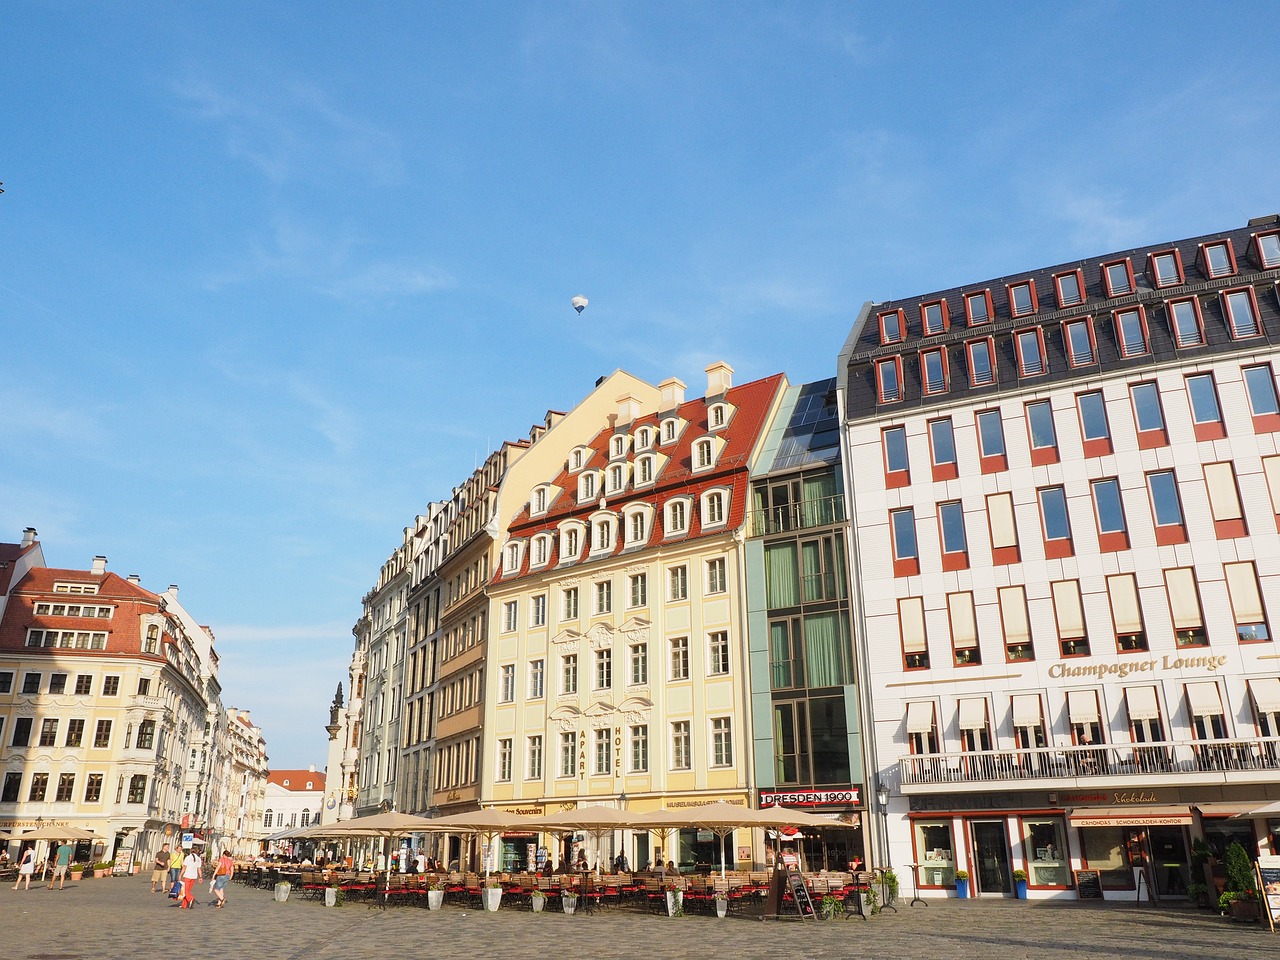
(1169, 861)
(990, 857)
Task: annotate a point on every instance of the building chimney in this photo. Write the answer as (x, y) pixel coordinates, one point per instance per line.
(311, 768)
(99, 566)
(719, 378)
(628, 409)
(135, 579)
(28, 536)
(173, 588)
(672, 393)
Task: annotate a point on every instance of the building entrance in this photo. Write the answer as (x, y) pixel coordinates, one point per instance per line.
(990, 857)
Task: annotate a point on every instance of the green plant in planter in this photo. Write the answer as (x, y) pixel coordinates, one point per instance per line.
(830, 906)
(872, 900)
(1196, 893)
(339, 895)
(962, 874)
(1239, 871)
(1019, 874)
(890, 881)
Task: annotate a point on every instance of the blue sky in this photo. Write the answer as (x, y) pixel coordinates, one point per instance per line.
(275, 275)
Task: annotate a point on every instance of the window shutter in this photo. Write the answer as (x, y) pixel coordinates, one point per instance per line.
(964, 627)
(1184, 599)
(1013, 615)
(911, 612)
(1004, 531)
(1125, 608)
(1066, 603)
(1242, 584)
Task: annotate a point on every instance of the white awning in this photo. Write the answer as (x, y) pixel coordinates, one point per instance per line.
(973, 714)
(914, 638)
(1013, 615)
(1135, 816)
(1125, 608)
(1266, 694)
(1203, 699)
(1082, 706)
(1242, 587)
(1143, 703)
(920, 717)
(1026, 710)
(1184, 599)
(1066, 604)
(964, 627)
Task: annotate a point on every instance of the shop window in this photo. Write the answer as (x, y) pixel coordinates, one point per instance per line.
(906, 557)
(1106, 850)
(1044, 437)
(1166, 507)
(1117, 277)
(1224, 500)
(942, 449)
(1184, 605)
(1045, 846)
(1149, 415)
(977, 307)
(1126, 612)
(1095, 430)
(935, 853)
(1073, 638)
(915, 641)
(1055, 522)
(1003, 527)
(955, 544)
(1016, 624)
(991, 446)
(1131, 332)
(897, 468)
(1260, 384)
(1113, 532)
(1186, 322)
(1206, 412)
(1246, 602)
(1078, 335)
(1070, 289)
(964, 630)
(982, 364)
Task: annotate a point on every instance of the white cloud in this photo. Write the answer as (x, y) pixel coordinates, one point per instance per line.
(383, 281)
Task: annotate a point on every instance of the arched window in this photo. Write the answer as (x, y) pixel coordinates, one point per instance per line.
(540, 500)
(702, 453)
(306, 817)
(153, 639)
(268, 818)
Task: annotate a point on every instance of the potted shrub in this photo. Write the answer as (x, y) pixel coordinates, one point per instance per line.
(435, 894)
(1240, 898)
(76, 870)
(538, 901)
(334, 896)
(675, 900)
(1020, 883)
(102, 868)
(722, 904)
(962, 884)
(491, 895)
(890, 881)
(1198, 893)
(569, 900)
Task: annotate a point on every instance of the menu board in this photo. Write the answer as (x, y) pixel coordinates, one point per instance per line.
(1269, 884)
(1088, 884)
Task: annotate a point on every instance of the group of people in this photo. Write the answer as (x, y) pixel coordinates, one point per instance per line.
(179, 876)
(61, 866)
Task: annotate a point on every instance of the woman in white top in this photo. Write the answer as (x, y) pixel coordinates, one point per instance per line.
(191, 872)
(26, 867)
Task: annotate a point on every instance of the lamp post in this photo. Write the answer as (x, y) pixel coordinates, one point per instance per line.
(882, 801)
(622, 805)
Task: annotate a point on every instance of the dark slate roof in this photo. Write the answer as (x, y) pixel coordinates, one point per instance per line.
(864, 347)
(813, 434)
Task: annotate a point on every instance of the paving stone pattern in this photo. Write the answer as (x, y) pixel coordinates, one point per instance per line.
(120, 918)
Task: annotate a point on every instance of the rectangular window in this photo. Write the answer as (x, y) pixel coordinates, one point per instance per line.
(639, 668)
(1056, 522)
(1095, 431)
(1271, 470)
(93, 788)
(1070, 287)
(1004, 529)
(893, 327)
(1267, 246)
(678, 583)
(1184, 604)
(58, 684)
(604, 669)
(1072, 636)
(569, 674)
(639, 589)
(538, 611)
(915, 640)
(1224, 500)
(897, 469)
(718, 653)
(717, 576)
(510, 616)
(1117, 277)
(1031, 359)
(537, 679)
(1260, 384)
(1044, 437)
(604, 597)
(6, 681)
(934, 317)
(39, 785)
(982, 365)
(1149, 415)
(1166, 506)
(66, 788)
(1079, 341)
(1109, 509)
(1022, 298)
(568, 754)
(1187, 324)
(681, 752)
(922, 730)
(991, 441)
(1242, 312)
(102, 734)
(569, 604)
(964, 629)
(1166, 269)
(942, 449)
(75, 733)
(1206, 412)
(721, 742)
(31, 683)
(507, 694)
(889, 379)
(639, 743)
(1217, 259)
(977, 307)
(1015, 623)
(955, 547)
(503, 773)
(1131, 332)
(906, 558)
(933, 371)
(12, 787)
(680, 658)
(1126, 612)
(534, 752)
(48, 732)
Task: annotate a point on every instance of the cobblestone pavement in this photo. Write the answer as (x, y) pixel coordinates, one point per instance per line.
(120, 918)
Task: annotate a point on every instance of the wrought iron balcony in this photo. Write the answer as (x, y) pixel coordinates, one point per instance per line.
(1204, 761)
(800, 515)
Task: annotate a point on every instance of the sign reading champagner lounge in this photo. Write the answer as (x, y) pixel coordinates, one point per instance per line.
(1123, 668)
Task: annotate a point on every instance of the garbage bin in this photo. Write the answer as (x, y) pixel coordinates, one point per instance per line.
(282, 892)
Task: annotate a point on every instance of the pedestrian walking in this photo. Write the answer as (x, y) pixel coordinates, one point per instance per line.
(192, 870)
(160, 870)
(26, 867)
(61, 864)
(175, 875)
(221, 877)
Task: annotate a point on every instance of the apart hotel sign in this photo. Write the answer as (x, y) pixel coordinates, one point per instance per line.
(1124, 668)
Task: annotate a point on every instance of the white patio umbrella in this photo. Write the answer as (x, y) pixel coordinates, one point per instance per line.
(487, 821)
(386, 826)
(596, 820)
(52, 831)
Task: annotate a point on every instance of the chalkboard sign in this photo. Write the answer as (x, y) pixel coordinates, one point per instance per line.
(800, 895)
(1269, 884)
(1088, 884)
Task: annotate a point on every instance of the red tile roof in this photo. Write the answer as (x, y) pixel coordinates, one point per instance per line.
(297, 779)
(10, 554)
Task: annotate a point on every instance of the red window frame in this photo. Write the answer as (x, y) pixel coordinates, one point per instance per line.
(953, 559)
(1035, 300)
(925, 388)
(1094, 446)
(1106, 277)
(902, 325)
(1111, 541)
(1206, 429)
(1227, 529)
(944, 470)
(1041, 456)
(1203, 256)
(1258, 253)
(1057, 547)
(1151, 438)
(1007, 554)
(995, 462)
(991, 352)
(985, 295)
(1177, 262)
(1057, 288)
(1142, 322)
(1173, 324)
(904, 566)
(1017, 350)
(944, 317)
(894, 479)
(1262, 422)
(1228, 316)
(1167, 534)
(1093, 342)
(897, 365)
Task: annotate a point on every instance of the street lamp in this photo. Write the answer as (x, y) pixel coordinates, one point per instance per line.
(622, 805)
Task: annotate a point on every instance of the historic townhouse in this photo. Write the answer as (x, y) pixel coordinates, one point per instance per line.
(293, 799)
(1066, 496)
(618, 664)
(238, 823)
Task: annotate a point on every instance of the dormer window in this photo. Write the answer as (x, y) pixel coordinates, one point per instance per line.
(637, 522)
(702, 454)
(587, 487)
(1117, 277)
(677, 520)
(893, 327)
(602, 535)
(714, 507)
(511, 561)
(1217, 259)
(668, 430)
(1267, 246)
(933, 317)
(617, 477)
(644, 438)
(1022, 298)
(716, 416)
(977, 307)
(1070, 288)
(575, 460)
(541, 550)
(644, 469)
(618, 447)
(539, 504)
(570, 543)
(1166, 268)
(152, 643)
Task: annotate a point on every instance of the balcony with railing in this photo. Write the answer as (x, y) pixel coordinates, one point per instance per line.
(800, 515)
(1130, 764)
